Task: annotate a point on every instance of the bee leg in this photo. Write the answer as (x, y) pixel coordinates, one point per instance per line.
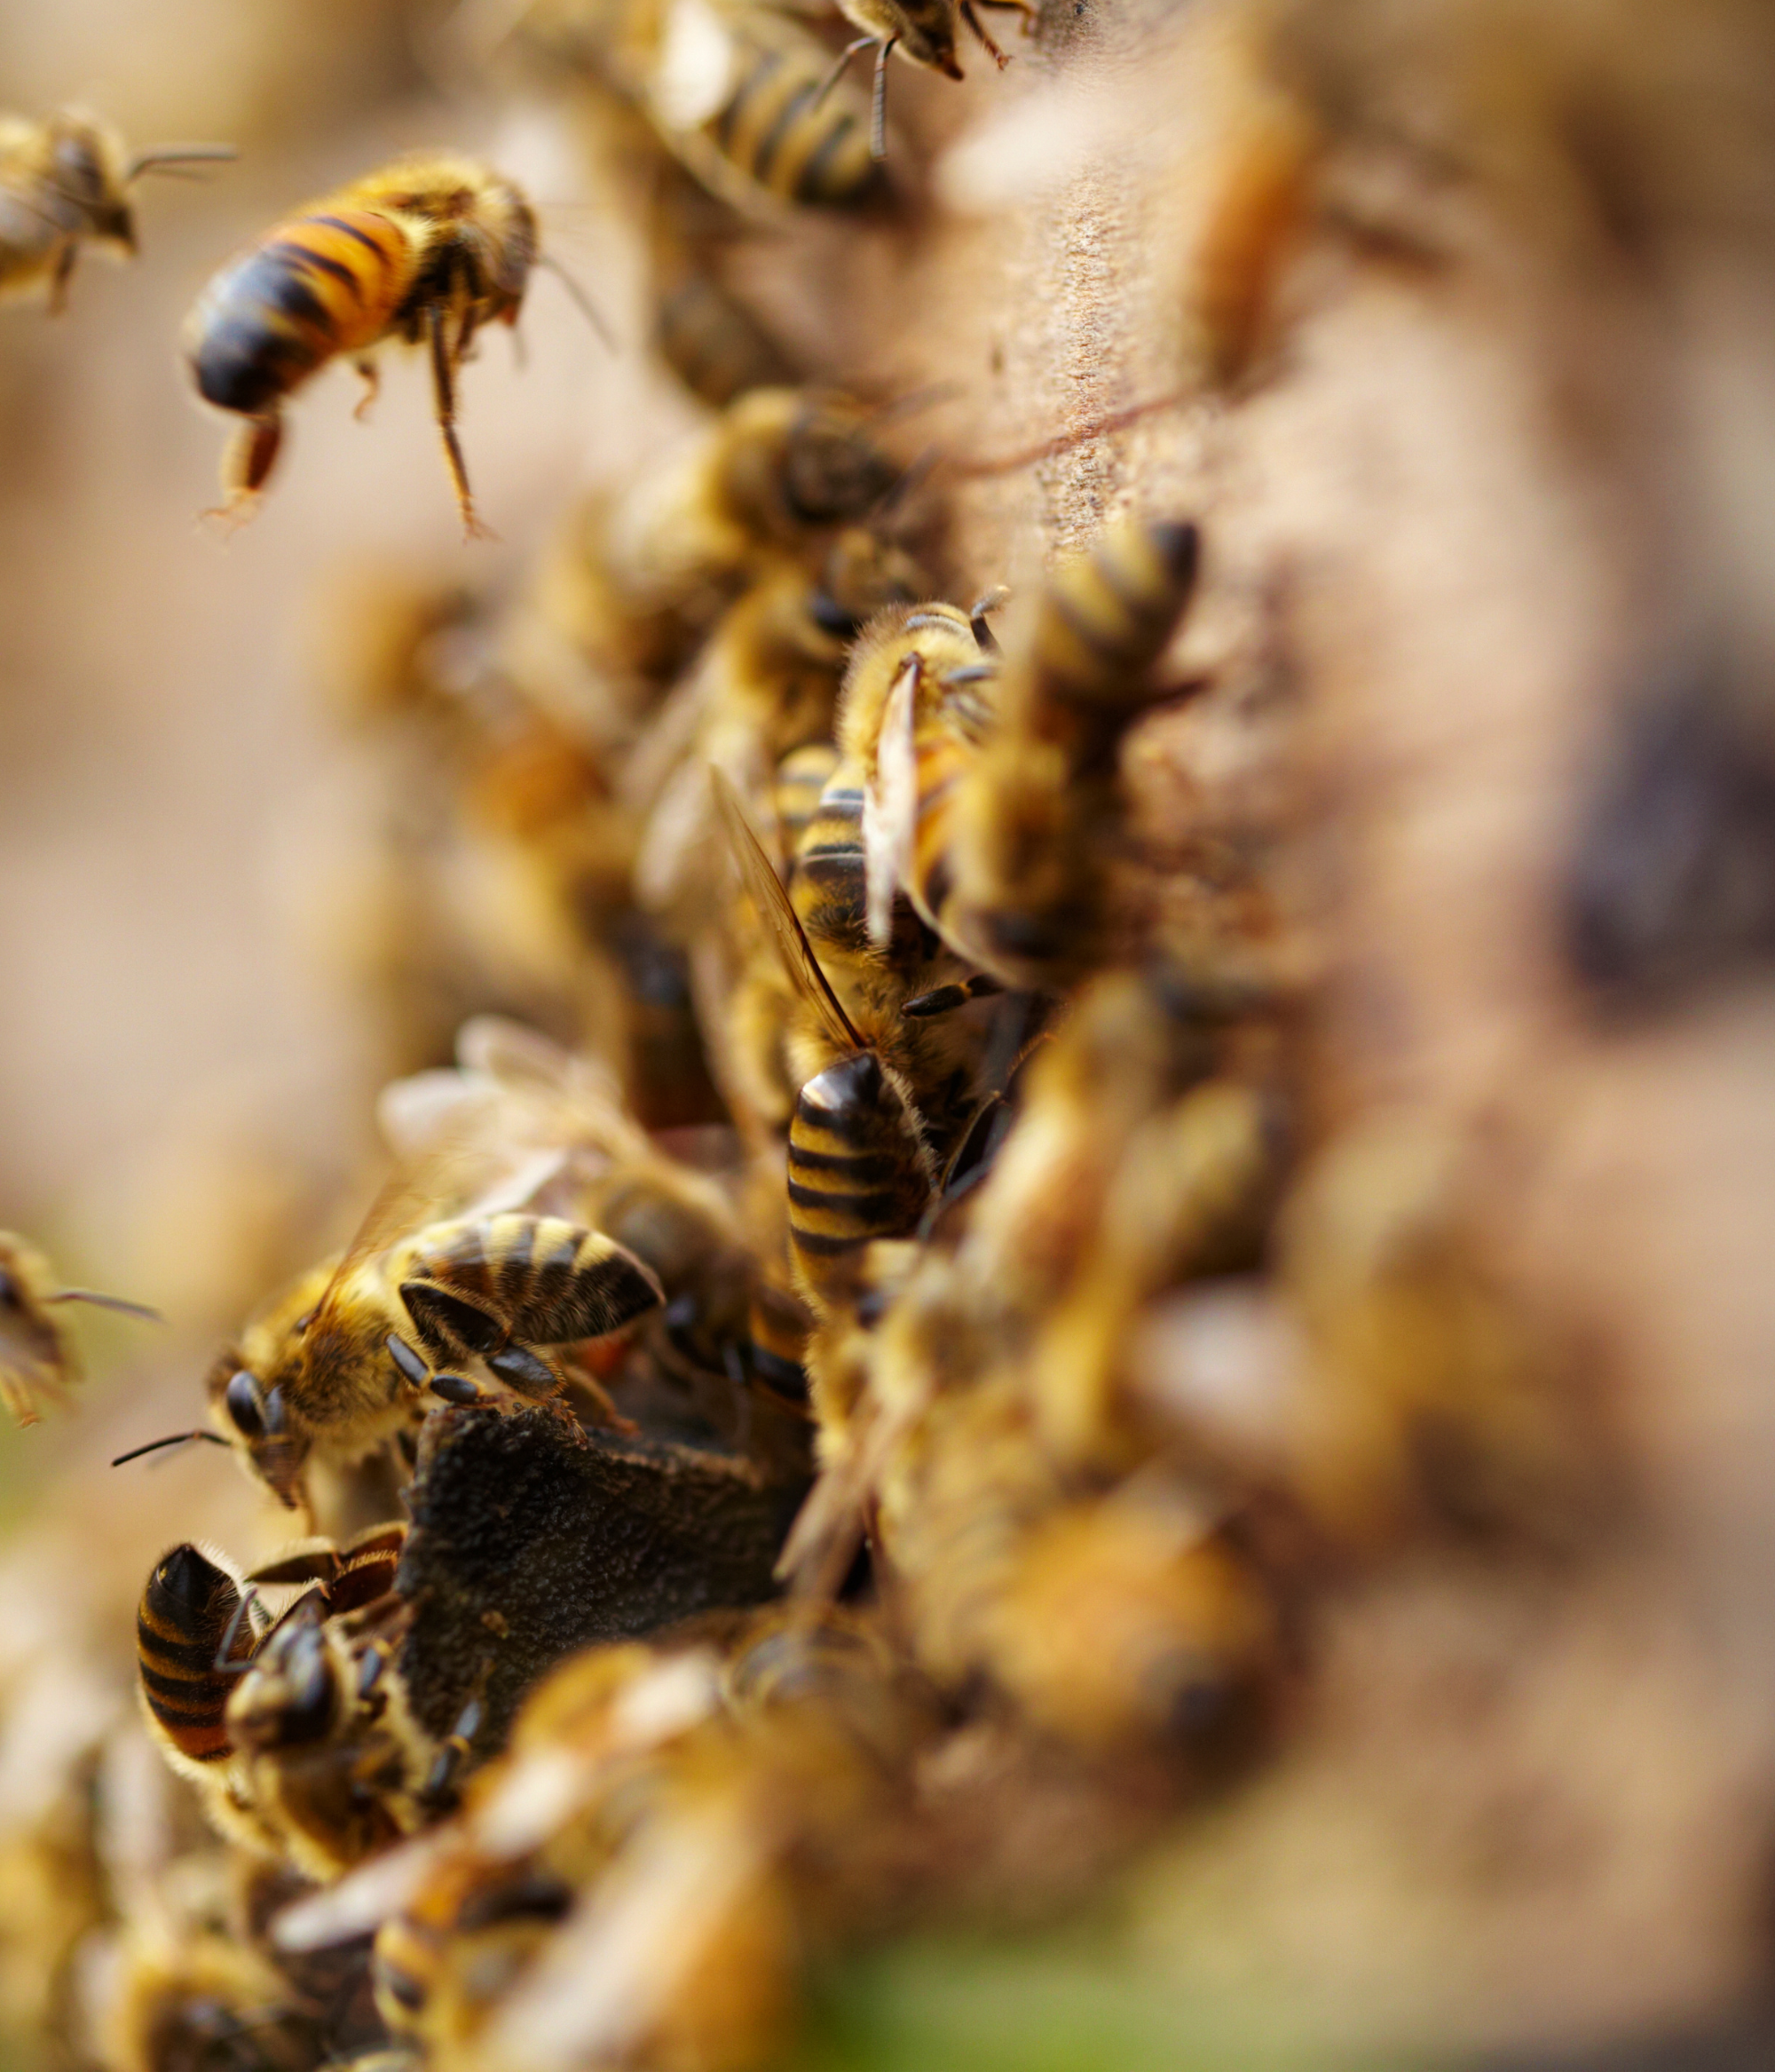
(456, 1388)
(945, 999)
(413, 1370)
(877, 112)
(443, 391)
(247, 466)
(371, 375)
(60, 276)
(839, 64)
(526, 1372)
(999, 58)
(455, 1750)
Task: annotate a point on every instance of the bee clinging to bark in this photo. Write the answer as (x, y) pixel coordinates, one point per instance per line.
(36, 1358)
(65, 183)
(346, 1357)
(1031, 859)
(426, 250)
(923, 32)
(918, 702)
(859, 1165)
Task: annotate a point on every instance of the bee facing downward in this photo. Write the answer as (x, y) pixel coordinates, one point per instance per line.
(426, 250)
(65, 182)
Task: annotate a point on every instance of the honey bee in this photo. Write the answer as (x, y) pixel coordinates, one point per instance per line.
(735, 92)
(204, 2001)
(714, 345)
(37, 1361)
(918, 702)
(344, 1359)
(65, 182)
(924, 33)
(637, 581)
(860, 1167)
(681, 1222)
(425, 251)
(1032, 853)
(295, 1732)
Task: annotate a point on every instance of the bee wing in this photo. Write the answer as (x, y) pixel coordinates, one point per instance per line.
(890, 803)
(464, 1164)
(760, 880)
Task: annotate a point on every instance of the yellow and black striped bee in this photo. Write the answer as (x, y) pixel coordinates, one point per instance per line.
(193, 1627)
(998, 813)
(345, 1358)
(924, 33)
(37, 1361)
(65, 183)
(738, 93)
(426, 250)
(918, 702)
(295, 1732)
(859, 1164)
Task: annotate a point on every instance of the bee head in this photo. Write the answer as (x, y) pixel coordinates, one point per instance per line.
(253, 1418)
(926, 32)
(85, 163)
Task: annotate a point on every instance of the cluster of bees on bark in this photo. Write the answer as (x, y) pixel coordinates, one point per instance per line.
(772, 1430)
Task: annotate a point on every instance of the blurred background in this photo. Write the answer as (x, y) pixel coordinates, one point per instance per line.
(183, 1073)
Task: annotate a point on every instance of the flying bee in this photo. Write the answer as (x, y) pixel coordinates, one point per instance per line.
(426, 250)
(1032, 851)
(859, 1164)
(924, 33)
(344, 1359)
(37, 1361)
(65, 182)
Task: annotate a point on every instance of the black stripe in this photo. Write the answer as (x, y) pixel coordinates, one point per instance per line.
(811, 183)
(824, 1247)
(517, 1260)
(338, 273)
(847, 1124)
(287, 292)
(728, 121)
(865, 1168)
(351, 230)
(180, 1654)
(873, 1210)
(772, 138)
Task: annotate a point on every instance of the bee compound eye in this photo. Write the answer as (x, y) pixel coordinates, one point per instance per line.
(246, 1406)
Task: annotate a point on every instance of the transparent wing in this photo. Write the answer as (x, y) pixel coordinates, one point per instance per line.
(805, 979)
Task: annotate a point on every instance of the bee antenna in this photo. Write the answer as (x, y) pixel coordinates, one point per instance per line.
(842, 59)
(224, 1664)
(175, 1439)
(176, 158)
(587, 306)
(984, 638)
(877, 112)
(100, 1302)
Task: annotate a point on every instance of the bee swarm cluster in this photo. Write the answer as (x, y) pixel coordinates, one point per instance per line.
(1015, 984)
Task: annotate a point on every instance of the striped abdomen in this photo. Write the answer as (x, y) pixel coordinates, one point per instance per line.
(828, 885)
(321, 284)
(183, 1615)
(473, 1287)
(1104, 620)
(778, 130)
(941, 760)
(858, 1170)
(802, 776)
